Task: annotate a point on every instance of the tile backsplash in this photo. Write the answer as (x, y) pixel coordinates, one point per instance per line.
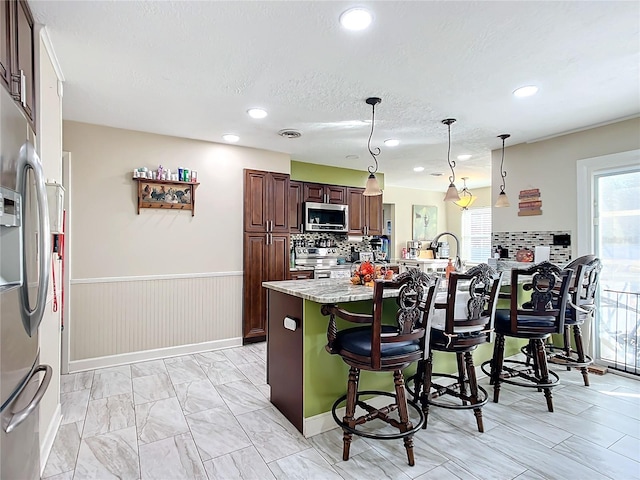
(343, 245)
(514, 241)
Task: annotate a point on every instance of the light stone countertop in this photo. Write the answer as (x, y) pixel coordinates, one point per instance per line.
(336, 290)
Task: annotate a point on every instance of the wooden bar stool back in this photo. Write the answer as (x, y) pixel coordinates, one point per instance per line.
(377, 347)
(534, 319)
(466, 321)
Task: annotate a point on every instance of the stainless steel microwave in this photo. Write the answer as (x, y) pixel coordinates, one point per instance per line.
(325, 217)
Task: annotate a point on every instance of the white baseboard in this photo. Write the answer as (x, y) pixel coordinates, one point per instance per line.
(46, 444)
(146, 355)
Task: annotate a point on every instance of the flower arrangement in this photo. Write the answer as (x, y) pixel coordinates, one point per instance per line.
(367, 272)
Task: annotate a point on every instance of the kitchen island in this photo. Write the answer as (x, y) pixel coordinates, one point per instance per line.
(305, 379)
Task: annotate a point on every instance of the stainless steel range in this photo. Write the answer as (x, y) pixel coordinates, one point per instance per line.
(324, 262)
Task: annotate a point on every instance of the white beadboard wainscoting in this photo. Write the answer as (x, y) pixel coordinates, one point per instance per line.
(127, 319)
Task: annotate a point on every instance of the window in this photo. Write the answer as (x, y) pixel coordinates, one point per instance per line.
(476, 235)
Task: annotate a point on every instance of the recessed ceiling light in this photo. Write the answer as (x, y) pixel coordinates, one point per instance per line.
(352, 157)
(464, 157)
(392, 142)
(436, 174)
(525, 91)
(418, 169)
(230, 137)
(257, 113)
(356, 19)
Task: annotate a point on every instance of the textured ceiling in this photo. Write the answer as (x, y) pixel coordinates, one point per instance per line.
(192, 69)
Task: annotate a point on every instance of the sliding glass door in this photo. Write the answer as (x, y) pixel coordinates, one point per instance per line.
(617, 242)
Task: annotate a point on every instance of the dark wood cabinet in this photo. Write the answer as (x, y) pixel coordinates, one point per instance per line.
(321, 193)
(365, 213)
(266, 202)
(17, 54)
(5, 43)
(266, 245)
(296, 218)
(23, 68)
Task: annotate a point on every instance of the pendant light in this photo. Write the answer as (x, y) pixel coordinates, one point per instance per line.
(372, 188)
(452, 193)
(466, 198)
(503, 200)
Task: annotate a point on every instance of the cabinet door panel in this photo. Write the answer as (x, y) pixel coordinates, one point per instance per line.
(355, 201)
(314, 192)
(278, 258)
(336, 194)
(373, 216)
(295, 207)
(255, 298)
(5, 43)
(279, 200)
(25, 56)
(255, 201)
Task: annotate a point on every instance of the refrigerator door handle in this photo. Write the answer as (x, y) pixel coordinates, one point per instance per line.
(31, 319)
(22, 415)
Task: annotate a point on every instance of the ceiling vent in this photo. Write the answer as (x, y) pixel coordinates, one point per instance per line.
(287, 133)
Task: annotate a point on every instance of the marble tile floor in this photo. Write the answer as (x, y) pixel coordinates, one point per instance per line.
(207, 416)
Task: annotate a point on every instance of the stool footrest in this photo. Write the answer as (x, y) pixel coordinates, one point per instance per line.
(377, 413)
(523, 371)
(558, 356)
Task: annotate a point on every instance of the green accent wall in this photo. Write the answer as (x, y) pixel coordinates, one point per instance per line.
(311, 172)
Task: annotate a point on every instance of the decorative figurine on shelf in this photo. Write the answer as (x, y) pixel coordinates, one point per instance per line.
(160, 172)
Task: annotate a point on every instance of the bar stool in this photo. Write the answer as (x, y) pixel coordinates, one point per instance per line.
(461, 322)
(535, 320)
(582, 303)
(383, 348)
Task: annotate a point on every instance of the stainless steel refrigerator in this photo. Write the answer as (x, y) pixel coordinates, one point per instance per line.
(25, 263)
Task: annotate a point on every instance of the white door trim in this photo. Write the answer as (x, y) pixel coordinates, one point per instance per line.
(65, 347)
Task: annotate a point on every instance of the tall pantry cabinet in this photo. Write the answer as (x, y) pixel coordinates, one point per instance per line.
(266, 245)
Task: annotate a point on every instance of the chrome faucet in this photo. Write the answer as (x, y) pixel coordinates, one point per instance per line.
(434, 245)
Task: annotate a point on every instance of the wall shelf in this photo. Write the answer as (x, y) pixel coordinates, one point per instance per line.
(166, 194)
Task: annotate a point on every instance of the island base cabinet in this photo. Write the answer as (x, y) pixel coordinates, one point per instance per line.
(285, 357)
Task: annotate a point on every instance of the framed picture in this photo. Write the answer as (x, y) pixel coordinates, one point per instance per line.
(425, 222)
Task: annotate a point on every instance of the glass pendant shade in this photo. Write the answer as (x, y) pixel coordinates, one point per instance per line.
(502, 201)
(452, 194)
(372, 188)
(465, 200)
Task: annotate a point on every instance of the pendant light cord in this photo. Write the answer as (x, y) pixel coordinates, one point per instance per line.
(376, 151)
(452, 178)
(503, 173)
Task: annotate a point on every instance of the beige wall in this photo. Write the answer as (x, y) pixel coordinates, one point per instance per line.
(551, 166)
(49, 111)
(145, 285)
(111, 240)
(403, 200)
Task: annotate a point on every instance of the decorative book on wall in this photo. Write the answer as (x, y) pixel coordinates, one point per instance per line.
(529, 202)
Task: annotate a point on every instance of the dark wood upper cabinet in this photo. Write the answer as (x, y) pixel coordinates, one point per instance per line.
(321, 193)
(5, 43)
(266, 202)
(25, 67)
(296, 201)
(17, 54)
(365, 213)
